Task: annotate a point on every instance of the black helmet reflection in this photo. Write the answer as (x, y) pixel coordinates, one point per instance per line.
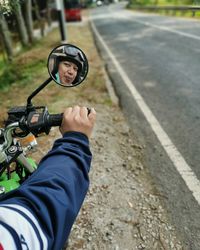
(70, 54)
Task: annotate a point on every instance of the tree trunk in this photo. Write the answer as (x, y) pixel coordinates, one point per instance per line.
(20, 22)
(40, 19)
(29, 19)
(49, 20)
(6, 38)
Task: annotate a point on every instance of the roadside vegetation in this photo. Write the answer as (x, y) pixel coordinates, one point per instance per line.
(164, 2)
(17, 22)
(21, 52)
(135, 4)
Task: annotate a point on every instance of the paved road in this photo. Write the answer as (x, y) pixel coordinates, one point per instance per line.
(161, 57)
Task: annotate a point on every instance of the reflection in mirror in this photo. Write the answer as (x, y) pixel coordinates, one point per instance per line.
(67, 65)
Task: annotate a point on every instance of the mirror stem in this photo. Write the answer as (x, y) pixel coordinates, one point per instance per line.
(35, 92)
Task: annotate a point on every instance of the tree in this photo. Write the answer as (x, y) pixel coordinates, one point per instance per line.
(6, 38)
(48, 13)
(29, 19)
(40, 19)
(16, 7)
(4, 31)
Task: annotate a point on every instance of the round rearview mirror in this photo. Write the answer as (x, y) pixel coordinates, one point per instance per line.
(67, 65)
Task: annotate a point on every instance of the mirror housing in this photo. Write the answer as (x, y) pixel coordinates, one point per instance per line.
(67, 65)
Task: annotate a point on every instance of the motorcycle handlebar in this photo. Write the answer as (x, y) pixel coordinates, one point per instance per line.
(40, 122)
(55, 120)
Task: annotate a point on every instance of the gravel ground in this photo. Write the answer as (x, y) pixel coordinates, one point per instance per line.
(122, 209)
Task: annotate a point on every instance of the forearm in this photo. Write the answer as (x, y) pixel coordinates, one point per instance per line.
(55, 192)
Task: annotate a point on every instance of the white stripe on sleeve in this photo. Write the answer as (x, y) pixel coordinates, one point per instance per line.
(23, 226)
(6, 239)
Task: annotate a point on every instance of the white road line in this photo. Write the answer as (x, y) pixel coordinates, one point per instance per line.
(129, 15)
(168, 29)
(179, 162)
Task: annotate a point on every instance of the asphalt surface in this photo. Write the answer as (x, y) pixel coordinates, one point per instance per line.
(161, 56)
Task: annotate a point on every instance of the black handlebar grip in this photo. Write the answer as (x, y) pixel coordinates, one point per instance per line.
(55, 120)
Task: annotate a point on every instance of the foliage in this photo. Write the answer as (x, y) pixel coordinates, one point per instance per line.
(164, 2)
(4, 6)
(7, 6)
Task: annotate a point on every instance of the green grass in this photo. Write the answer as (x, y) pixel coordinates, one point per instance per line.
(26, 65)
(22, 74)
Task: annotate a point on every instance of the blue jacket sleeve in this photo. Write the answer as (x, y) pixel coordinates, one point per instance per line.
(55, 192)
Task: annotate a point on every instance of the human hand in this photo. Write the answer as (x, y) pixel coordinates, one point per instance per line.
(77, 119)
